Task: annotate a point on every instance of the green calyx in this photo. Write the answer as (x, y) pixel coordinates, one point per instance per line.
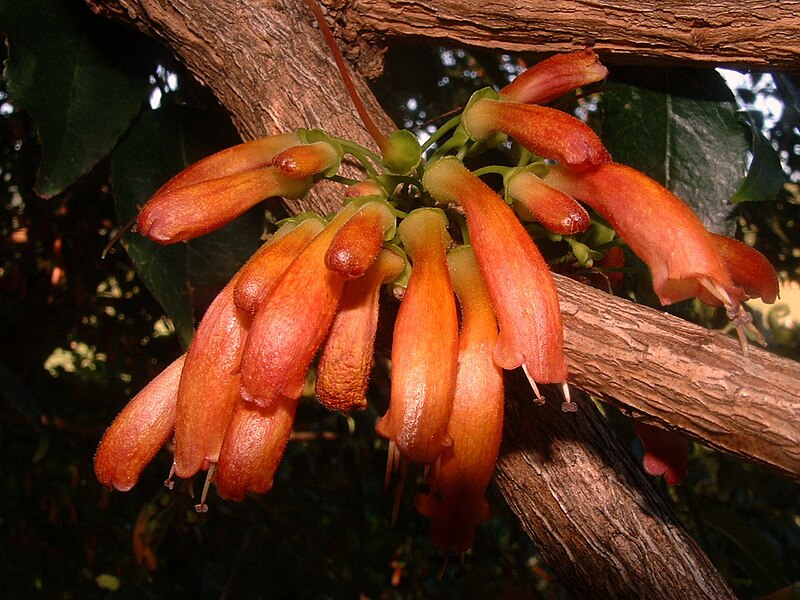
(402, 152)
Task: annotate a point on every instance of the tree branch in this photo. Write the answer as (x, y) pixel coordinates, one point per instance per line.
(743, 34)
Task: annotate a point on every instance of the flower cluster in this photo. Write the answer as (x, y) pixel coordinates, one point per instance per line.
(434, 229)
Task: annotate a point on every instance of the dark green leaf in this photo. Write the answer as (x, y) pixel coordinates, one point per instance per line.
(145, 159)
(76, 76)
(680, 127)
(181, 276)
(765, 177)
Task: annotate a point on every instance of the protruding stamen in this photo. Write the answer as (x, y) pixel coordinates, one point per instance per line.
(169, 482)
(398, 490)
(442, 571)
(568, 405)
(392, 463)
(539, 399)
(203, 507)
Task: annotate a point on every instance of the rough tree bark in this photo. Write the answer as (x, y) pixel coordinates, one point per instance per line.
(266, 63)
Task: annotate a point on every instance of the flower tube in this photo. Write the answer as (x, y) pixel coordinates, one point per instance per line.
(519, 282)
(545, 131)
(253, 447)
(553, 77)
(182, 213)
(456, 503)
(658, 227)
(139, 431)
(425, 344)
(292, 322)
(345, 361)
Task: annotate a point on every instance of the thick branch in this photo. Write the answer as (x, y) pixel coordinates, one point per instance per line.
(561, 474)
(675, 373)
(731, 33)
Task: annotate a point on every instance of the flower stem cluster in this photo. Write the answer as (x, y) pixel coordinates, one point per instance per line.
(436, 230)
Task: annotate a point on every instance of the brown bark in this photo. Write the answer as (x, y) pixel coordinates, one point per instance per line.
(561, 474)
(268, 66)
(745, 34)
(671, 372)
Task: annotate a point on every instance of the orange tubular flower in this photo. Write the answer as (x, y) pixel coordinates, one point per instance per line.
(209, 386)
(554, 77)
(139, 431)
(257, 278)
(305, 160)
(345, 361)
(520, 285)
(356, 245)
(658, 227)
(292, 322)
(425, 344)
(456, 502)
(182, 213)
(544, 131)
(552, 208)
(748, 268)
(254, 444)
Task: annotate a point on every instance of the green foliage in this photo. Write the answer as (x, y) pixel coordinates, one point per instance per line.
(75, 75)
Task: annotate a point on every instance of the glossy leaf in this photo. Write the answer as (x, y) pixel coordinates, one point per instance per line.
(765, 176)
(680, 127)
(73, 73)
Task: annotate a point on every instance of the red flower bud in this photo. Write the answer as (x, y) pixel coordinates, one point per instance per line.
(657, 226)
(139, 431)
(346, 358)
(305, 160)
(554, 77)
(356, 245)
(544, 131)
(520, 285)
(552, 208)
(665, 452)
(424, 347)
(456, 502)
(254, 444)
(257, 278)
(292, 322)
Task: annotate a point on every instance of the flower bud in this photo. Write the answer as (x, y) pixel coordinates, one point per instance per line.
(553, 77)
(257, 278)
(544, 131)
(305, 160)
(519, 281)
(456, 502)
(356, 245)
(345, 361)
(401, 152)
(552, 208)
(424, 347)
(292, 322)
(139, 431)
